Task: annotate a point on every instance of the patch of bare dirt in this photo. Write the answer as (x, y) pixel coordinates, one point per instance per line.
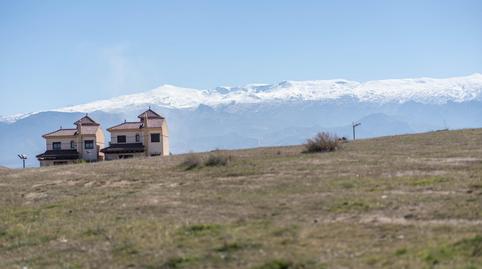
(379, 219)
(413, 173)
(34, 196)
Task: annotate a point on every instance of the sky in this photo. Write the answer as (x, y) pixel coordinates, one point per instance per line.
(59, 53)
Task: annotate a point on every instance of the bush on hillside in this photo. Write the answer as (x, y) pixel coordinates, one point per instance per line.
(218, 160)
(191, 161)
(322, 142)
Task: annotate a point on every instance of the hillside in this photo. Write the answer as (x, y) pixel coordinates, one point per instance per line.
(412, 201)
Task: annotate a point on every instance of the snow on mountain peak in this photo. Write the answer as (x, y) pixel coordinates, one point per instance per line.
(423, 90)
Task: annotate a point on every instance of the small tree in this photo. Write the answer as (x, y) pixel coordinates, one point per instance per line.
(322, 142)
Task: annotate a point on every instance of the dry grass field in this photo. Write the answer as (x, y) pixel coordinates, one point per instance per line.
(412, 201)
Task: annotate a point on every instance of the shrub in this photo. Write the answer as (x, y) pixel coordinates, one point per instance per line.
(322, 142)
(191, 161)
(217, 160)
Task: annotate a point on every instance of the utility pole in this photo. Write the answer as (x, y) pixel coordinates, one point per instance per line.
(354, 125)
(23, 158)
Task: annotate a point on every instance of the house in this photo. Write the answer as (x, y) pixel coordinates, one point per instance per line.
(66, 146)
(146, 137)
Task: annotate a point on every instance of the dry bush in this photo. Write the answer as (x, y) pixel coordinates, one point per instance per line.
(191, 161)
(218, 160)
(322, 142)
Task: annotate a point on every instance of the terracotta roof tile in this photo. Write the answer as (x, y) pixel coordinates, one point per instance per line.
(150, 115)
(86, 120)
(127, 126)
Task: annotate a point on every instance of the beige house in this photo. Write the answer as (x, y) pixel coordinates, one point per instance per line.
(71, 145)
(147, 137)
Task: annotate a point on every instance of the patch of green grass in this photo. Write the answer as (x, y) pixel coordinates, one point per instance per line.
(3, 232)
(236, 246)
(52, 206)
(347, 184)
(276, 264)
(349, 206)
(429, 181)
(28, 241)
(471, 247)
(465, 248)
(97, 231)
(179, 262)
(285, 264)
(124, 248)
(200, 229)
(286, 231)
(401, 252)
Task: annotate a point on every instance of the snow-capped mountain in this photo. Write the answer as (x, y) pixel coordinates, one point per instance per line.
(421, 90)
(266, 115)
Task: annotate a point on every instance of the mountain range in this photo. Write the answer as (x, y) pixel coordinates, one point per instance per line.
(267, 114)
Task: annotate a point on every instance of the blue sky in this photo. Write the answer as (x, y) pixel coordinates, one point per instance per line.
(57, 53)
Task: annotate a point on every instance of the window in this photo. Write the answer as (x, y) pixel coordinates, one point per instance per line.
(138, 138)
(89, 144)
(155, 138)
(72, 144)
(121, 139)
(56, 145)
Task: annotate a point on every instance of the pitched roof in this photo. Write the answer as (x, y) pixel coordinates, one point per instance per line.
(150, 115)
(61, 132)
(127, 126)
(86, 120)
(69, 154)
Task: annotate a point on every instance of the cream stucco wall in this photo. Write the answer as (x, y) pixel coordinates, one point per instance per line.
(130, 136)
(154, 148)
(100, 138)
(64, 142)
(88, 154)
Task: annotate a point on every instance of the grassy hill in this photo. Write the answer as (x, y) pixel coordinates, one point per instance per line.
(411, 201)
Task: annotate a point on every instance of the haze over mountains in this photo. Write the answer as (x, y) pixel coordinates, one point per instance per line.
(265, 114)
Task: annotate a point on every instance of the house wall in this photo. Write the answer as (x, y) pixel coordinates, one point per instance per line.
(165, 146)
(100, 138)
(88, 154)
(64, 142)
(154, 148)
(130, 136)
(165, 139)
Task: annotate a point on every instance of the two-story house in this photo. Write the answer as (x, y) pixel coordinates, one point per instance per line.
(147, 137)
(66, 146)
